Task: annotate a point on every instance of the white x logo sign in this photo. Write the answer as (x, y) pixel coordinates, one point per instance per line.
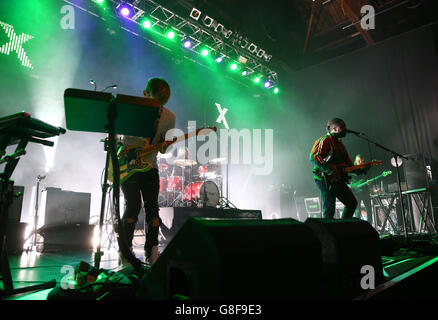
(15, 44)
(221, 118)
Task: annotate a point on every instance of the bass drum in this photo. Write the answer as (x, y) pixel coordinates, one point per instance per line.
(206, 192)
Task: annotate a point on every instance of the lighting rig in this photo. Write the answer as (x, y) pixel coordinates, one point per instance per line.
(201, 34)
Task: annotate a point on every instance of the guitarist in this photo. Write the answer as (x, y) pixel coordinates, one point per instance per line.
(362, 193)
(329, 156)
(143, 188)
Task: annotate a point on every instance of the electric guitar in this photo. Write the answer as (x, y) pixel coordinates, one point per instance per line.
(131, 158)
(359, 184)
(340, 173)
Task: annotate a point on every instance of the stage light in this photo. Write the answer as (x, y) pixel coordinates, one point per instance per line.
(146, 24)
(233, 66)
(99, 1)
(204, 52)
(244, 73)
(267, 84)
(195, 14)
(187, 44)
(170, 34)
(257, 79)
(276, 90)
(125, 11)
(219, 59)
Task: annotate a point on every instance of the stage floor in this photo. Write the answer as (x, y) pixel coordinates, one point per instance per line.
(31, 268)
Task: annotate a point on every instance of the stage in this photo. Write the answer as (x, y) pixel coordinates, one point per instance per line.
(237, 129)
(410, 271)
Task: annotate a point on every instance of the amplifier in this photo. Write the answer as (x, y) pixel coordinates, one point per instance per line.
(66, 207)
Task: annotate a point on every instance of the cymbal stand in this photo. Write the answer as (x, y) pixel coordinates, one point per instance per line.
(36, 217)
(227, 201)
(192, 202)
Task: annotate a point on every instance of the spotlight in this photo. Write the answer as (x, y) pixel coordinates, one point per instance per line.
(267, 84)
(125, 11)
(99, 1)
(187, 44)
(257, 79)
(244, 73)
(233, 66)
(195, 14)
(147, 24)
(204, 52)
(170, 34)
(219, 59)
(276, 90)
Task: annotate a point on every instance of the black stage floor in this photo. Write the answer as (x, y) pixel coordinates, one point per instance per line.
(399, 261)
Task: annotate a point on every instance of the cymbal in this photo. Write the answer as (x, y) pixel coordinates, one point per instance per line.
(164, 155)
(184, 162)
(218, 160)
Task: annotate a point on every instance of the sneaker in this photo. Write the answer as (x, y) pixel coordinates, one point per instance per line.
(152, 255)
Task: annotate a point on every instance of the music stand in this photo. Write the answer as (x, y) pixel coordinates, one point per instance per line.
(18, 129)
(97, 112)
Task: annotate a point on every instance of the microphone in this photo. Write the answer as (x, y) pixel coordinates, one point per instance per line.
(114, 86)
(355, 132)
(93, 83)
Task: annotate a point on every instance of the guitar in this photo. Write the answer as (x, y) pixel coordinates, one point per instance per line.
(131, 158)
(359, 184)
(341, 172)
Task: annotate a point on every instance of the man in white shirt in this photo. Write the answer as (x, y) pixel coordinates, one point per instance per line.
(143, 187)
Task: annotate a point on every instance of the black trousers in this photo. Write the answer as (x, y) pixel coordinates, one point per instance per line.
(329, 193)
(142, 188)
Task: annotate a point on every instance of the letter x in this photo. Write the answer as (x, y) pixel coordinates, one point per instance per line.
(15, 44)
(221, 118)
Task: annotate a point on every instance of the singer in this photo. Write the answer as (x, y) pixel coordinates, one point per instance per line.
(329, 156)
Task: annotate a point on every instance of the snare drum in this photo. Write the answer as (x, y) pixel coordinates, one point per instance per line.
(207, 192)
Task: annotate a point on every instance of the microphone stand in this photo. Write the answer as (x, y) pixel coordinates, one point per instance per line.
(395, 155)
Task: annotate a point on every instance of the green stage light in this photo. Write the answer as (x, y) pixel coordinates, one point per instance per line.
(233, 66)
(257, 79)
(99, 1)
(146, 24)
(276, 90)
(171, 35)
(204, 52)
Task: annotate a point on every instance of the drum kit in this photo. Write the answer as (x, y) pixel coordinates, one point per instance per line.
(185, 183)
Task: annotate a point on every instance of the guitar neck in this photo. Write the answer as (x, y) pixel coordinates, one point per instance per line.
(159, 146)
(369, 180)
(361, 166)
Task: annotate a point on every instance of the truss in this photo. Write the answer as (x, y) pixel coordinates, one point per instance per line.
(214, 36)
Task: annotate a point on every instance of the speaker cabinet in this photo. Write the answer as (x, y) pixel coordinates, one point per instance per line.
(173, 218)
(238, 259)
(66, 207)
(347, 246)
